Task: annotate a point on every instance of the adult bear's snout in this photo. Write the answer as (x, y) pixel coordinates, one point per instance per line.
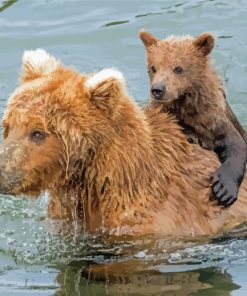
(10, 175)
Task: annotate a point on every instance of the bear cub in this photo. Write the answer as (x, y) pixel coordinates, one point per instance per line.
(184, 81)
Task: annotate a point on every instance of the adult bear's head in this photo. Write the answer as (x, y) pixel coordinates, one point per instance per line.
(54, 121)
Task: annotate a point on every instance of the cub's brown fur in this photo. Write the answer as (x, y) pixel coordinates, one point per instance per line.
(186, 84)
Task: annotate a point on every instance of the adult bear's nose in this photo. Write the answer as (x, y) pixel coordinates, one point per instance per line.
(158, 90)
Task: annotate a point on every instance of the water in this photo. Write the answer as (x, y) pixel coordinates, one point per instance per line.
(92, 35)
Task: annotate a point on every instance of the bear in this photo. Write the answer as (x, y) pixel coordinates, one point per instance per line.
(184, 81)
(106, 163)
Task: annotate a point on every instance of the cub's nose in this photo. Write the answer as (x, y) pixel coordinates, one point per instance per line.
(158, 91)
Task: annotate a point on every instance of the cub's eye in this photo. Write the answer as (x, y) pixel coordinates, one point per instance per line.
(178, 70)
(37, 136)
(153, 69)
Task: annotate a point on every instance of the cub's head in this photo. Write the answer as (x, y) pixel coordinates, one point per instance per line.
(176, 64)
(54, 122)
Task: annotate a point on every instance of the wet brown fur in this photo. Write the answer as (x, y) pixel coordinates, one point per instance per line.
(108, 163)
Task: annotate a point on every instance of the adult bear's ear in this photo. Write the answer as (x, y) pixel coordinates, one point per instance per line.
(36, 63)
(106, 88)
(147, 38)
(204, 43)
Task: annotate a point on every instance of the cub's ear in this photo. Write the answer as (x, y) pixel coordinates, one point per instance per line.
(106, 89)
(205, 43)
(147, 38)
(36, 63)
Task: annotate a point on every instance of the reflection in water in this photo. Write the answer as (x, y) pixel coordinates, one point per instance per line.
(139, 267)
(135, 278)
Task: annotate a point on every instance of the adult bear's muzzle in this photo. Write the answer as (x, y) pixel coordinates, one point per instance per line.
(10, 173)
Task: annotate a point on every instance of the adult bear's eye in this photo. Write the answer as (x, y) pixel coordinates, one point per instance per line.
(153, 69)
(178, 70)
(37, 136)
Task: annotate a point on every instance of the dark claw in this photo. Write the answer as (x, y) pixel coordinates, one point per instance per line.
(215, 179)
(221, 193)
(230, 202)
(224, 201)
(217, 187)
(224, 188)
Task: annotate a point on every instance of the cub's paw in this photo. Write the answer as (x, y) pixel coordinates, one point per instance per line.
(225, 188)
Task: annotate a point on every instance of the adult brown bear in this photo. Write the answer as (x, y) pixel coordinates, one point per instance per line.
(103, 160)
